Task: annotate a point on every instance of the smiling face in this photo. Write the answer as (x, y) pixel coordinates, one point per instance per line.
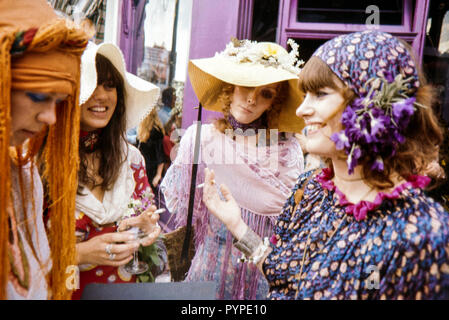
(249, 103)
(97, 112)
(32, 112)
(322, 111)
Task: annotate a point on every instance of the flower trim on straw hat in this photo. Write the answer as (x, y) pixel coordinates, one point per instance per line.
(264, 53)
(250, 64)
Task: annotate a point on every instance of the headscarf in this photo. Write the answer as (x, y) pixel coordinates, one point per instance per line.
(381, 71)
(41, 52)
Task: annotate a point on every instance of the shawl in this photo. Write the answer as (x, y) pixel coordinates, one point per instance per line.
(260, 179)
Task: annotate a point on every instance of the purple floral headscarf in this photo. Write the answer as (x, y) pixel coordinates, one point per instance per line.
(380, 70)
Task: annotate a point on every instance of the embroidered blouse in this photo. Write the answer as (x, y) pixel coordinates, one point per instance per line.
(394, 248)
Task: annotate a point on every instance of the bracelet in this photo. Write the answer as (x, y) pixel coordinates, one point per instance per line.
(251, 246)
(262, 250)
(248, 243)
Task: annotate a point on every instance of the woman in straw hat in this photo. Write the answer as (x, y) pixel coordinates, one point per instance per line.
(39, 60)
(362, 228)
(255, 86)
(112, 173)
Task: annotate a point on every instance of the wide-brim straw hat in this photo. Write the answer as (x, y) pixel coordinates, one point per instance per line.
(250, 68)
(141, 96)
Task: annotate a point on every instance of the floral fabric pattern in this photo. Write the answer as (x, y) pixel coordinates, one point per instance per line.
(400, 251)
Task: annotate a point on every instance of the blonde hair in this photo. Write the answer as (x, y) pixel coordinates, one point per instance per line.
(145, 126)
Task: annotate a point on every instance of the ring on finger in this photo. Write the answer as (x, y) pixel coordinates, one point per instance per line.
(108, 249)
(111, 256)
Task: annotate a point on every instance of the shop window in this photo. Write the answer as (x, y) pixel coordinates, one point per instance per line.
(348, 12)
(265, 20)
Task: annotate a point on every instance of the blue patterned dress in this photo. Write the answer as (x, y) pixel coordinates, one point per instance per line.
(400, 250)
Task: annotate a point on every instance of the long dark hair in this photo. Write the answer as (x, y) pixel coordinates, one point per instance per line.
(112, 138)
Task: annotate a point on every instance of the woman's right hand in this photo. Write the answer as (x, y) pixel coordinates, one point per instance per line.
(227, 211)
(94, 250)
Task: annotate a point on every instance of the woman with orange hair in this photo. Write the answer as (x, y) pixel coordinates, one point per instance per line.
(39, 60)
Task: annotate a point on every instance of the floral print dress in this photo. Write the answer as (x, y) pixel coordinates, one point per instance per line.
(398, 250)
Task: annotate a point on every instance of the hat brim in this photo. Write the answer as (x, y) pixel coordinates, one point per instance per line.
(209, 75)
(141, 96)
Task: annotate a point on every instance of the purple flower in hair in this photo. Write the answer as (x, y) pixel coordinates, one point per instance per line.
(402, 111)
(353, 157)
(378, 164)
(378, 124)
(388, 76)
(341, 140)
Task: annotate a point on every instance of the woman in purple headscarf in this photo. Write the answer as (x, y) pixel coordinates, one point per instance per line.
(363, 227)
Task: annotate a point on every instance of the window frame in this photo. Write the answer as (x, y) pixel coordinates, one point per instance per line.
(412, 29)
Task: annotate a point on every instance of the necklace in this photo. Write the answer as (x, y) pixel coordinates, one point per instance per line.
(362, 197)
(344, 179)
(89, 140)
(244, 128)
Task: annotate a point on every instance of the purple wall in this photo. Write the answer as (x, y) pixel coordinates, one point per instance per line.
(214, 22)
(132, 35)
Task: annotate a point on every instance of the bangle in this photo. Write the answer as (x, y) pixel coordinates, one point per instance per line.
(252, 247)
(248, 243)
(262, 250)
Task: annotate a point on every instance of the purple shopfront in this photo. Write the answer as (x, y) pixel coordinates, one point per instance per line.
(422, 23)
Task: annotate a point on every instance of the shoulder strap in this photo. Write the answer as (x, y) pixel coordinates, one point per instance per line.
(300, 191)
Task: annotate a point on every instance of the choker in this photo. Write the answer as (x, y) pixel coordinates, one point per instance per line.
(89, 140)
(259, 123)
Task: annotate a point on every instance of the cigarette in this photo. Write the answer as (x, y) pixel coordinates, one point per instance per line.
(202, 184)
(158, 211)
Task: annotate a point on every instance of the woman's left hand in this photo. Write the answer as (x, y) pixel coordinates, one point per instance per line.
(147, 222)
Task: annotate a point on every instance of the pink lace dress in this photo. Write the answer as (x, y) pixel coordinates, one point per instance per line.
(260, 179)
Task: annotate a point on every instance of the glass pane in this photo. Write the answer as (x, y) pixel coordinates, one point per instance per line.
(436, 68)
(436, 54)
(349, 12)
(265, 20)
